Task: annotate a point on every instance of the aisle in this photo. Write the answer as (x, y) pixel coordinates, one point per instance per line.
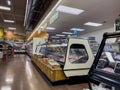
(19, 74)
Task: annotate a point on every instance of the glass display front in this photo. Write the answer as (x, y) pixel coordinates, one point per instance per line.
(54, 51)
(78, 54)
(110, 58)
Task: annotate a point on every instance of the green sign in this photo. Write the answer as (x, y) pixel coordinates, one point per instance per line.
(54, 17)
(117, 24)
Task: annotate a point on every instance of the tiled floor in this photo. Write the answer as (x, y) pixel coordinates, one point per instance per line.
(19, 74)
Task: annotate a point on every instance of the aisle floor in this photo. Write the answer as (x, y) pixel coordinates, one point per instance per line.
(18, 73)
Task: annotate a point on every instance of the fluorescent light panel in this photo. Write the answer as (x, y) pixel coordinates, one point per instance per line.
(9, 2)
(5, 88)
(77, 29)
(93, 24)
(9, 21)
(55, 37)
(50, 28)
(12, 28)
(5, 8)
(69, 10)
(69, 33)
(60, 35)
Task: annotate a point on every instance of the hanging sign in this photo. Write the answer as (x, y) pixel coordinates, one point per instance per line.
(117, 24)
(54, 17)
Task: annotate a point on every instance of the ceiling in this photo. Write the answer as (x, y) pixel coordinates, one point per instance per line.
(35, 11)
(99, 11)
(16, 13)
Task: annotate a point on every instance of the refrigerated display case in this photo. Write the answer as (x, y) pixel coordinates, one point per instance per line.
(29, 48)
(65, 61)
(105, 70)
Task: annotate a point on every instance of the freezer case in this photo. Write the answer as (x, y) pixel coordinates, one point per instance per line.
(105, 70)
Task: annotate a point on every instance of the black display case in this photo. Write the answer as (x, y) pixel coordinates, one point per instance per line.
(106, 66)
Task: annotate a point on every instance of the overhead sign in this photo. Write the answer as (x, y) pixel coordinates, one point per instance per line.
(75, 32)
(117, 24)
(54, 17)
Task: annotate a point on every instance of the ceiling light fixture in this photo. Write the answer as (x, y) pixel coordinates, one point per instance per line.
(5, 8)
(69, 10)
(60, 35)
(69, 33)
(93, 24)
(77, 29)
(9, 2)
(55, 37)
(9, 21)
(50, 28)
(6, 88)
(11, 28)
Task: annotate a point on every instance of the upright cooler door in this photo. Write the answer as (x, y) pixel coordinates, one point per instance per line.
(79, 58)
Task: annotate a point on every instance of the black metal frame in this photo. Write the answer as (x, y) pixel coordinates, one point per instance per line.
(97, 76)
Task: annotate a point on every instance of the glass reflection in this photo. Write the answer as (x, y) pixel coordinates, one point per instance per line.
(28, 70)
(9, 79)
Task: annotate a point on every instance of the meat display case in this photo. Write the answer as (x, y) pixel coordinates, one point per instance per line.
(74, 61)
(105, 70)
(65, 62)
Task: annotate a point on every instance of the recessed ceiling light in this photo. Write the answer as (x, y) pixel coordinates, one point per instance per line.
(9, 21)
(69, 33)
(5, 8)
(60, 35)
(11, 28)
(9, 2)
(77, 29)
(50, 28)
(5, 88)
(69, 10)
(93, 24)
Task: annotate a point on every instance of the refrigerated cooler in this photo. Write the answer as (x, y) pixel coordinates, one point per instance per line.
(74, 62)
(68, 62)
(105, 71)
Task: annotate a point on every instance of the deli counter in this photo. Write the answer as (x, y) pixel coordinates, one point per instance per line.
(64, 61)
(74, 61)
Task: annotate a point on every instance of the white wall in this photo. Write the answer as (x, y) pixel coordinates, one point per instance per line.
(98, 34)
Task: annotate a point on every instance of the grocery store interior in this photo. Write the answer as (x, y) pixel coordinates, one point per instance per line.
(59, 44)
